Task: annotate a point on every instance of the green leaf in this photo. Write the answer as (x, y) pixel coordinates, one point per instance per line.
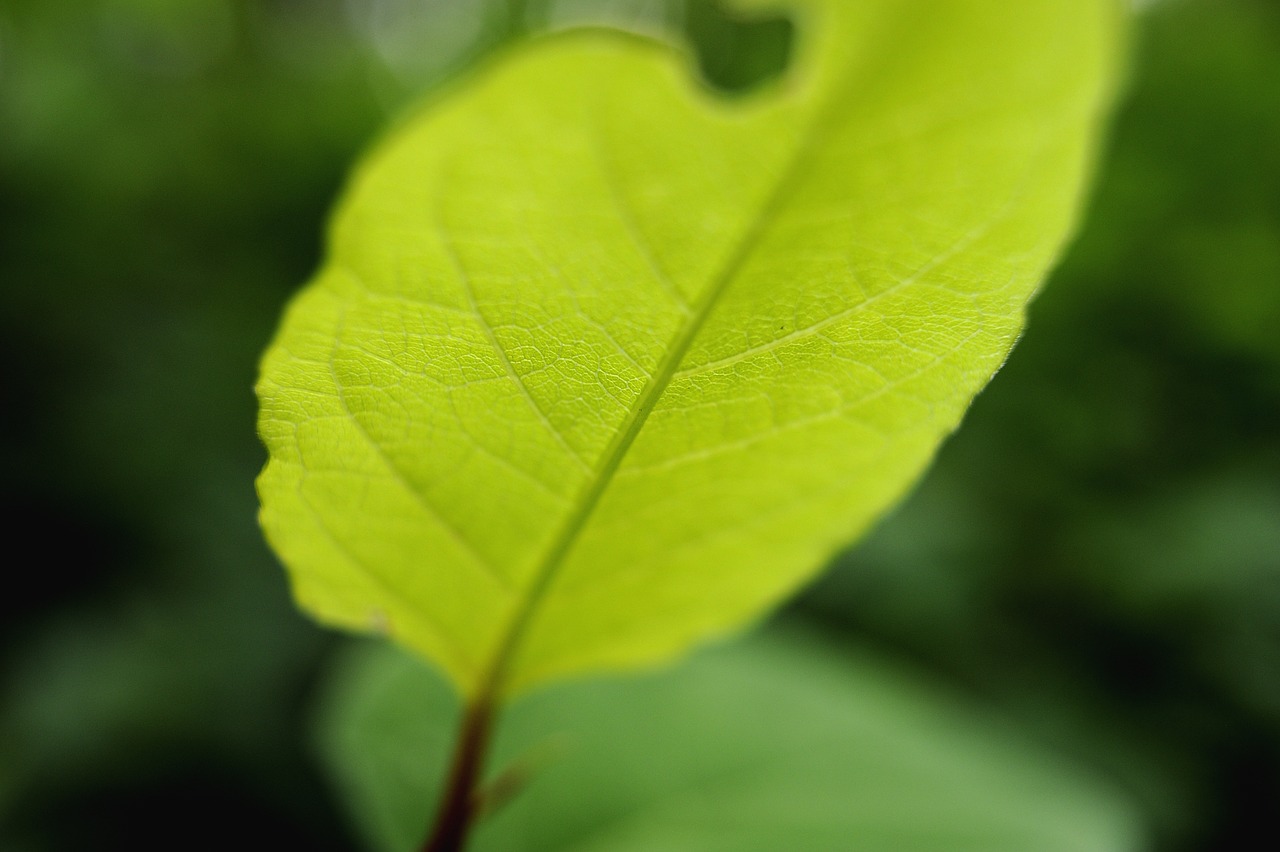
(600, 365)
(775, 743)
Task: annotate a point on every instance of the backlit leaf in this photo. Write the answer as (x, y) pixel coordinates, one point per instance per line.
(601, 364)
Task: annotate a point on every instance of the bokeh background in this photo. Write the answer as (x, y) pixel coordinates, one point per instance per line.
(1096, 554)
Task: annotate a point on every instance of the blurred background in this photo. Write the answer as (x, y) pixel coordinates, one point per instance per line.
(1096, 553)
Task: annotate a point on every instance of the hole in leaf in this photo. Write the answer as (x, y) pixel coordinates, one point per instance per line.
(737, 54)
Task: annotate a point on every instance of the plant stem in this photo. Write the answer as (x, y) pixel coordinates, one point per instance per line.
(459, 804)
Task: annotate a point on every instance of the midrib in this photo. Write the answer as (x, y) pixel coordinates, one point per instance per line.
(491, 685)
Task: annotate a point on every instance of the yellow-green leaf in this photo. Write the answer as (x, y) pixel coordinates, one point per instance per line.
(600, 365)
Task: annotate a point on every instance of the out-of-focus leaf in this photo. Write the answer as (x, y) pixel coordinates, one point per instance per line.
(773, 744)
(600, 365)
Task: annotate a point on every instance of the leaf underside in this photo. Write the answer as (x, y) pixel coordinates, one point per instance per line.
(599, 365)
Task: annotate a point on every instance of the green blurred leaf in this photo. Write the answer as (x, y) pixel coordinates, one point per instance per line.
(600, 366)
(775, 743)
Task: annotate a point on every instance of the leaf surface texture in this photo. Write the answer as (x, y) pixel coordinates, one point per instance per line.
(600, 364)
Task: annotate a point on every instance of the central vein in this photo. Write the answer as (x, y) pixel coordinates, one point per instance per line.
(491, 686)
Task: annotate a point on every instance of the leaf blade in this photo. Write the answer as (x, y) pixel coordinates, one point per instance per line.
(635, 324)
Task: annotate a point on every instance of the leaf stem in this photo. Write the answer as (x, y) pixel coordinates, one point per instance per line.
(460, 803)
